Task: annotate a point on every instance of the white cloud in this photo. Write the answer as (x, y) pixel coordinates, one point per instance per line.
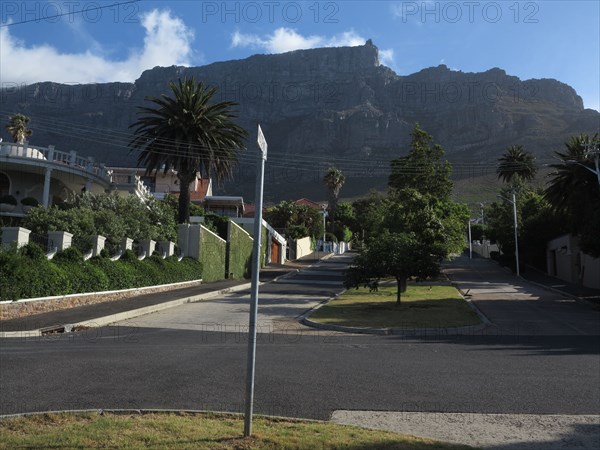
(386, 57)
(287, 39)
(167, 42)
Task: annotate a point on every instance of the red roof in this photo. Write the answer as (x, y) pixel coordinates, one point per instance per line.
(199, 194)
(307, 202)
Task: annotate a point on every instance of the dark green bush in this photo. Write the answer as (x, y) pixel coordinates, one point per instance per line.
(33, 252)
(27, 273)
(216, 224)
(70, 255)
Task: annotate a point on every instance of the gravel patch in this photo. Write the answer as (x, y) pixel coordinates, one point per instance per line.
(487, 431)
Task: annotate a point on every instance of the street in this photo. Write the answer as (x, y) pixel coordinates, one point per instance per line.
(194, 356)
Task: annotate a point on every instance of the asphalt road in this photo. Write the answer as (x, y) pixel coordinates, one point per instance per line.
(300, 372)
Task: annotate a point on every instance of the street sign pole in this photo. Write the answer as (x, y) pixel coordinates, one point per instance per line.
(256, 252)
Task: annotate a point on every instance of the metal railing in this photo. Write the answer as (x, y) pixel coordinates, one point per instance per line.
(42, 241)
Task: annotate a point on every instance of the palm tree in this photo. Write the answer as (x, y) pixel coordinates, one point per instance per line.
(189, 134)
(516, 164)
(17, 127)
(574, 193)
(571, 185)
(334, 180)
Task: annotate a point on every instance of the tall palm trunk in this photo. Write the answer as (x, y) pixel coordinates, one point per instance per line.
(184, 196)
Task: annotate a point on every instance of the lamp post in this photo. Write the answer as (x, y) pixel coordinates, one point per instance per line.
(470, 240)
(514, 203)
(483, 247)
(324, 215)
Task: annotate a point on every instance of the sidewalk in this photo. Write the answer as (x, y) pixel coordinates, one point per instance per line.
(517, 306)
(556, 284)
(99, 314)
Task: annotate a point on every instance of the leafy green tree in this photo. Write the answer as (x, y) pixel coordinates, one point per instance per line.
(416, 226)
(516, 165)
(434, 222)
(190, 134)
(293, 220)
(18, 127)
(423, 169)
(573, 190)
(537, 224)
(398, 255)
(334, 179)
(111, 216)
(369, 213)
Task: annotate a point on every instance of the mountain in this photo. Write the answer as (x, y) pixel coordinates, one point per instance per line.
(320, 107)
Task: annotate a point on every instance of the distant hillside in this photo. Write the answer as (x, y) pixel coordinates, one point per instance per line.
(322, 106)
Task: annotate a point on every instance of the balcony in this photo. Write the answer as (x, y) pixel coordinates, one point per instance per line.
(47, 174)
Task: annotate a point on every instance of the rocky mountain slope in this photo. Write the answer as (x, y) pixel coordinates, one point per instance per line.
(320, 107)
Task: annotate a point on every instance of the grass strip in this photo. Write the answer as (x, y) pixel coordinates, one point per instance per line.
(421, 307)
(196, 431)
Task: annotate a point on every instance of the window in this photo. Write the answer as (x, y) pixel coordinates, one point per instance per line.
(4, 184)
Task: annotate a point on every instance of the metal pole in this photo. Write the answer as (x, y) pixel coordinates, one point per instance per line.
(514, 202)
(256, 251)
(470, 242)
(324, 215)
(597, 161)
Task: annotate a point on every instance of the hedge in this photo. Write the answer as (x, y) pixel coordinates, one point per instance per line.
(239, 252)
(27, 273)
(213, 254)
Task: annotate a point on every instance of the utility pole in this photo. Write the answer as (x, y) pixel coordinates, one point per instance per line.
(324, 215)
(514, 203)
(251, 361)
(470, 242)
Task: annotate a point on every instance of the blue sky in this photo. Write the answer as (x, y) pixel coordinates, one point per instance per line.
(544, 39)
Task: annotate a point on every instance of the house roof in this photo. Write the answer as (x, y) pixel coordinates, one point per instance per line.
(199, 194)
(227, 200)
(307, 202)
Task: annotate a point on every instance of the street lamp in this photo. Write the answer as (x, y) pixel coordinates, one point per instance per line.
(324, 206)
(470, 239)
(514, 203)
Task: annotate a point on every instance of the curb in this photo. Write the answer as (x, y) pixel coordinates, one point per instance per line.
(558, 291)
(125, 315)
(92, 294)
(116, 412)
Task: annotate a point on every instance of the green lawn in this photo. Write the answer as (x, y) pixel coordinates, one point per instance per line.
(188, 431)
(421, 307)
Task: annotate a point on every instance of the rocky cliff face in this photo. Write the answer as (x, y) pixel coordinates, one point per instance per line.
(324, 106)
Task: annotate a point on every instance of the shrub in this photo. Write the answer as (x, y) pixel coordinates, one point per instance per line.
(297, 232)
(330, 237)
(71, 254)
(216, 224)
(343, 234)
(29, 201)
(26, 272)
(8, 199)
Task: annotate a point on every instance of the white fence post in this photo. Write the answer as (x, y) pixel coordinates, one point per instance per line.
(62, 240)
(19, 235)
